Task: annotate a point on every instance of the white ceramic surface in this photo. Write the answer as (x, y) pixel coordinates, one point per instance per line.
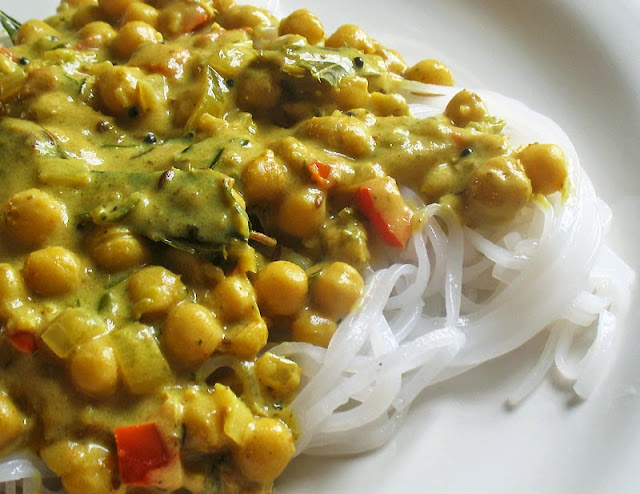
(577, 62)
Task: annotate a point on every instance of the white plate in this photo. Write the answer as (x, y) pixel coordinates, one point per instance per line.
(575, 61)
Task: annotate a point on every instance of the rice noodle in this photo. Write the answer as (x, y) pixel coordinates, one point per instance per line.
(455, 299)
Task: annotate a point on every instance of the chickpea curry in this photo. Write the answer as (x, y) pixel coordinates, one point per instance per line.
(185, 183)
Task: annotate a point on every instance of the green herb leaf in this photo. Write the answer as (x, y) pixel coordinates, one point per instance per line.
(10, 25)
(328, 65)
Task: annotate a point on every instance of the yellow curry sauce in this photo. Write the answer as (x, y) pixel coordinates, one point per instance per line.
(188, 180)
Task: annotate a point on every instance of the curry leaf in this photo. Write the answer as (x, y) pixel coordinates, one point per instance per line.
(326, 64)
(10, 25)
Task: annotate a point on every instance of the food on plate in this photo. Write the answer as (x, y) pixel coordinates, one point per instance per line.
(229, 239)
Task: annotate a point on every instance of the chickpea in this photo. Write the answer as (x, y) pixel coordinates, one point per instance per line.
(33, 216)
(258, 90)
(117, 89)
(302, 213)
(267, 450)
(133, 35)
(139, 11)
(265, 178)
(83, 467)
(12, 422)
(336, 289)
(33, 30)
(430, 72)
(392, 59)
(353, 36)
(191, 333)
(233, 297)
(182, 17)
(465, 107)
(115, 248)
(313, 327)
(341, 133)
(351, 92)
(12, 289)
(239, 16)
(154, 290)
(93, 369)
(498, 189)
(249, 339)
(386, 105)
(52, 271)
(97, 33)
(294, 153)
(546, 167)
(304, 23)
(281, 287)
(204, 422)
(86, 14)
(279, 374)
(115, 8)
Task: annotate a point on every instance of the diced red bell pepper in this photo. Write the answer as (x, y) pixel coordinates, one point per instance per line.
(383, 205)
(141, 451)
(320, 173)
(23, 341)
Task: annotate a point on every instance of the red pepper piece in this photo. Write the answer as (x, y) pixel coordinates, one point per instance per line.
(383, 205)
(23, 341)
(320, 173)
(141, 450)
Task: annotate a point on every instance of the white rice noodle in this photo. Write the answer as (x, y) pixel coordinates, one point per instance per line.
(23, 472)
(455, 299)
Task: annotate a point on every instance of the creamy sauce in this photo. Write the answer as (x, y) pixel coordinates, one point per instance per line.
(185, 181)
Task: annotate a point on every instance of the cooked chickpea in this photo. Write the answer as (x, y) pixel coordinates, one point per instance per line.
(279, 374)
(258, 90)
(546, 167)
(465, 107)
(353, 36)
(302, 212)
(281, 287)
(154, 290)
(117, 89)
(115, 248)
(52, 271)
(191, 333)
(304, 23)
(33, 216)
(115, 8)
(11, 287)
(203, 421)
(133, 35)
(498, 189)
(239, 16)
(430, 72)
(97, 34)
(267, 450)
(341, 133)
(336, 289)
(93, 368)
(386, 105)
(85, 14)
(33, 30)
(351, 92)
(313, 327)
(83, 467)
(139, 11)
(265, 178)
(249, 339)
(12, 422)
(233, 297)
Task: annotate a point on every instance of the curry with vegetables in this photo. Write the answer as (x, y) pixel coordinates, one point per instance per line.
(185, 183)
